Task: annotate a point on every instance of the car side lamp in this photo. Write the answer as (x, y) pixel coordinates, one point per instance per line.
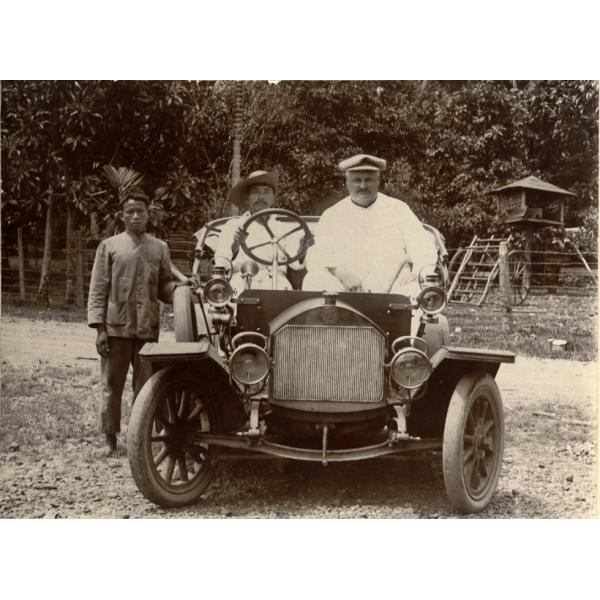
(218, 291)
(432, 300)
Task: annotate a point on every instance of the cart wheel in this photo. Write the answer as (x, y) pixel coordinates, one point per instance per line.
(455, 263)
(169, 467)
(453, 267)
(519, 277)
(473, 442)
(186, 329)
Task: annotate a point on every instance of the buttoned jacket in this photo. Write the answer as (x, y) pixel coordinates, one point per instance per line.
(130, 275)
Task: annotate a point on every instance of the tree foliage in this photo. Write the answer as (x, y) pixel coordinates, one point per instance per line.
(446, 143)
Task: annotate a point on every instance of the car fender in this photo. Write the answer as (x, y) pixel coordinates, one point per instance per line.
(203, 358)
(164, 354)
(450, 364)
(459, 359)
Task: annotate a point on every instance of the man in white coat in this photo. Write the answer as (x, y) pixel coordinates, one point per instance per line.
(368, 242)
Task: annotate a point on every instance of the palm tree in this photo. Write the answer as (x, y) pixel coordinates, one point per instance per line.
(123, 180)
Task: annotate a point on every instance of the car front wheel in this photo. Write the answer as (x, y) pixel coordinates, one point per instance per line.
(168, 465)
(186, 328)
(473, 443)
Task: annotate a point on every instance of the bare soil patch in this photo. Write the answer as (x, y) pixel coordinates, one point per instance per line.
(55, 469)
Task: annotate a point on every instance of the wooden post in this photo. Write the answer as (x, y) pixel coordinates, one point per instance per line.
(505, 291)
(585, 262)
(79, 271)
(21, 263)
(69, 256)
(44, 288)
(528, 247)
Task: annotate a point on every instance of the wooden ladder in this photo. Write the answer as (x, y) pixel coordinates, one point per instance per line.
(477, 271)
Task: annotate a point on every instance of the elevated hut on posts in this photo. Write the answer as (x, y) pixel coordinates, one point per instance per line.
(531, 204)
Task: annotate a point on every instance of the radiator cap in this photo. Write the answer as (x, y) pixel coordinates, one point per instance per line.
(330, 297)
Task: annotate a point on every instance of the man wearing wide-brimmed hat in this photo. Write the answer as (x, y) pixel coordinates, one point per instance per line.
(255, 193)
(368, 242)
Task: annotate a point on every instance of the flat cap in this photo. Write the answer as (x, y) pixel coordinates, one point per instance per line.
(363, 162)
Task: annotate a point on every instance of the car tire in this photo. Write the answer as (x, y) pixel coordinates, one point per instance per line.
(473, 443)
(169, 468)
(186, 329)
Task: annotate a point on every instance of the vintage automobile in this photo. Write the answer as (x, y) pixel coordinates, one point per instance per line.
(311, 376)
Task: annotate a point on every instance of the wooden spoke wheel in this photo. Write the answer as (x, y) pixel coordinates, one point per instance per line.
(473, 442)
(455, 262)
(519, 277)
(168, 466)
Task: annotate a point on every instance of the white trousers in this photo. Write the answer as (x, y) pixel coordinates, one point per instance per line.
(323, 280)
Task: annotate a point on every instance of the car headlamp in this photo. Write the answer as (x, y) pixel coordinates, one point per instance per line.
(218, 291)
(432, 300)
(244, 337)
(410, 368)
(249, 364)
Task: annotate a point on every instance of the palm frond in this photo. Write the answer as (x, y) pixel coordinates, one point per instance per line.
(122, 179)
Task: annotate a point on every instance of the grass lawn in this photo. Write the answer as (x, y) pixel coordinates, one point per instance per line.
(526, 332)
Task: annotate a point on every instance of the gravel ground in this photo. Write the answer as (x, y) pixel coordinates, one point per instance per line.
(549, 466)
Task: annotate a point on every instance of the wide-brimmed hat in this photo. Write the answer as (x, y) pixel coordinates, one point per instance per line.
(239, 192)
(363, 162)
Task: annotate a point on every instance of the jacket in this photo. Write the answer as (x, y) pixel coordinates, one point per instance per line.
(129, 277)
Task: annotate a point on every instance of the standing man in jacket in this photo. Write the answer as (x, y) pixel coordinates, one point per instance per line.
(131, 274)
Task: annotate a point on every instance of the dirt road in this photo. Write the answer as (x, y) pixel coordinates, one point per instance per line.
(549, 467)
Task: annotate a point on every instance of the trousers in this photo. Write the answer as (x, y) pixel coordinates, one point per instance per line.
(323, 280)
(122, 352)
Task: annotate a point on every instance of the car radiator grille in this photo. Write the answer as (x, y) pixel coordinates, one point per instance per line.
(343, 364)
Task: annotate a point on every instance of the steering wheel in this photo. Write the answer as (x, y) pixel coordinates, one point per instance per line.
(262, 218)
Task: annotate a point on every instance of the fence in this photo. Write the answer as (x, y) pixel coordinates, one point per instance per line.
(22, 267)
(551, 272)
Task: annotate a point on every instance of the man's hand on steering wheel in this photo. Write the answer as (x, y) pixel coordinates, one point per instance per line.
(238, 236)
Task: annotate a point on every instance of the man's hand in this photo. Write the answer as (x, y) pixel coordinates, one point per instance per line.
(348, 279)
(185, 281)
(102, 342)
(238, 236)
(306, 241)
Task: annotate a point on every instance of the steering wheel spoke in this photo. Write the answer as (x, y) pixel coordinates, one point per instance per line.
(259, 245)
(288, 233)
(285, 253)
(265, 223)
